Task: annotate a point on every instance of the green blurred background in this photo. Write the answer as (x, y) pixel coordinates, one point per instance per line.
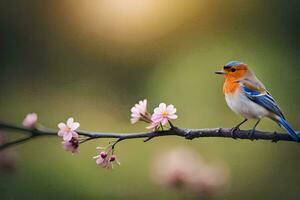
(94, 59)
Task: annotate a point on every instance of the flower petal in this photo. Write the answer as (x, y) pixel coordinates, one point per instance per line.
(99, 161)
(162, 106)
(67, 136)
(70, 121)
(74, 134)
(74, 126)
(144, 102)
(171, 109)
(134, 120)
(173, 116)
(135, 115)
(60, 133)
(134, 110)
(171, 106)
(152, 126)
(158, 110)
(61, 126)
(156, 118)
(164, 121)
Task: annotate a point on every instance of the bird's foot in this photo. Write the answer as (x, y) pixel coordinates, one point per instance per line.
(251, 134)
(232, 132)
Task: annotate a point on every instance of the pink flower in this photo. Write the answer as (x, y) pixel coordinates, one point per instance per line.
(30, 120)
(105, 160)
(163, 113)
(67, 131)
(101, 159)
(113, 159)
(153, 126)
(71, 145)
(139, 112)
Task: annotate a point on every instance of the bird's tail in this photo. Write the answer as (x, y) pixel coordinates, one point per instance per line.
(289, 129)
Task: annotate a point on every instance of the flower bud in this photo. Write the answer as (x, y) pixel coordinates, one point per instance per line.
(103, 154)
(112, 158)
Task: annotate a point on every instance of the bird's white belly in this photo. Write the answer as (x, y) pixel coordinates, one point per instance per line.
(240, 104)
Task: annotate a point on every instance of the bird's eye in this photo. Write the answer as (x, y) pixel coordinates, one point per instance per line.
(232, 69)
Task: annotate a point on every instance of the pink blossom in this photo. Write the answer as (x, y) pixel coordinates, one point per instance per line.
(68, 131)
(101, 159)
(30, 120)
(71, 145)
(163, 113)
(113, 159)
(139, 112)
(153, 126)
(105, 160)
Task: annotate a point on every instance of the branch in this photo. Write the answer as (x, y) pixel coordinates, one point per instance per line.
(173, 131)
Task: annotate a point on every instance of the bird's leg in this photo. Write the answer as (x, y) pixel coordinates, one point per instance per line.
(237, 127)
(253, 129)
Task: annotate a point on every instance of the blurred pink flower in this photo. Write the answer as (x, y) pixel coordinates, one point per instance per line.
(139, 112)
(182, 168)
(71, 145)
(163, 113)
(68, 131)
(30, 120)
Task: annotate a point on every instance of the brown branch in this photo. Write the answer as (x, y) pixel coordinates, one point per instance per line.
(173, 131)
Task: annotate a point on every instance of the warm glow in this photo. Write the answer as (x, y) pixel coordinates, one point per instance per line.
(128, 20)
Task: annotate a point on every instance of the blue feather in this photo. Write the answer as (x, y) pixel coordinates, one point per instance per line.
(289, 129)
(233, 63)
(267, 101)
(264, 100)
(251, 92)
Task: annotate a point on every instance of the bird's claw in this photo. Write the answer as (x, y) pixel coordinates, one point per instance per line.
(232, 132)
(251, 134)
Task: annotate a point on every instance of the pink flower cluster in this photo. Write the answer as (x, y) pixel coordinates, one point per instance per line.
(161, 116)
(71, 145)
(106, 159)
(139, 112)
(68, 132)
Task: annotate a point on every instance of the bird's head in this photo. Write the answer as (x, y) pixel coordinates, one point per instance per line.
(234, 70)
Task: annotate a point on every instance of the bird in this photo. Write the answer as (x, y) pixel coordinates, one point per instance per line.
(247, 96)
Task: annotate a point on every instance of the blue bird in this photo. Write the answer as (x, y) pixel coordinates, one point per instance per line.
(247, 96)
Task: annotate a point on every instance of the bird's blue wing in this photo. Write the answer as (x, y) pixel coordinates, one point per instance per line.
(258, 94)
(264, 99)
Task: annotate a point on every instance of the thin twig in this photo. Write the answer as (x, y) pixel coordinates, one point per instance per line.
(14, 142)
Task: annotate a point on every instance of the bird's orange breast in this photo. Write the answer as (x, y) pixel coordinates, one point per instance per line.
(230, 86)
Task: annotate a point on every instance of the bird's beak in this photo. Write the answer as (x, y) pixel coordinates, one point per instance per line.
(220, 72)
